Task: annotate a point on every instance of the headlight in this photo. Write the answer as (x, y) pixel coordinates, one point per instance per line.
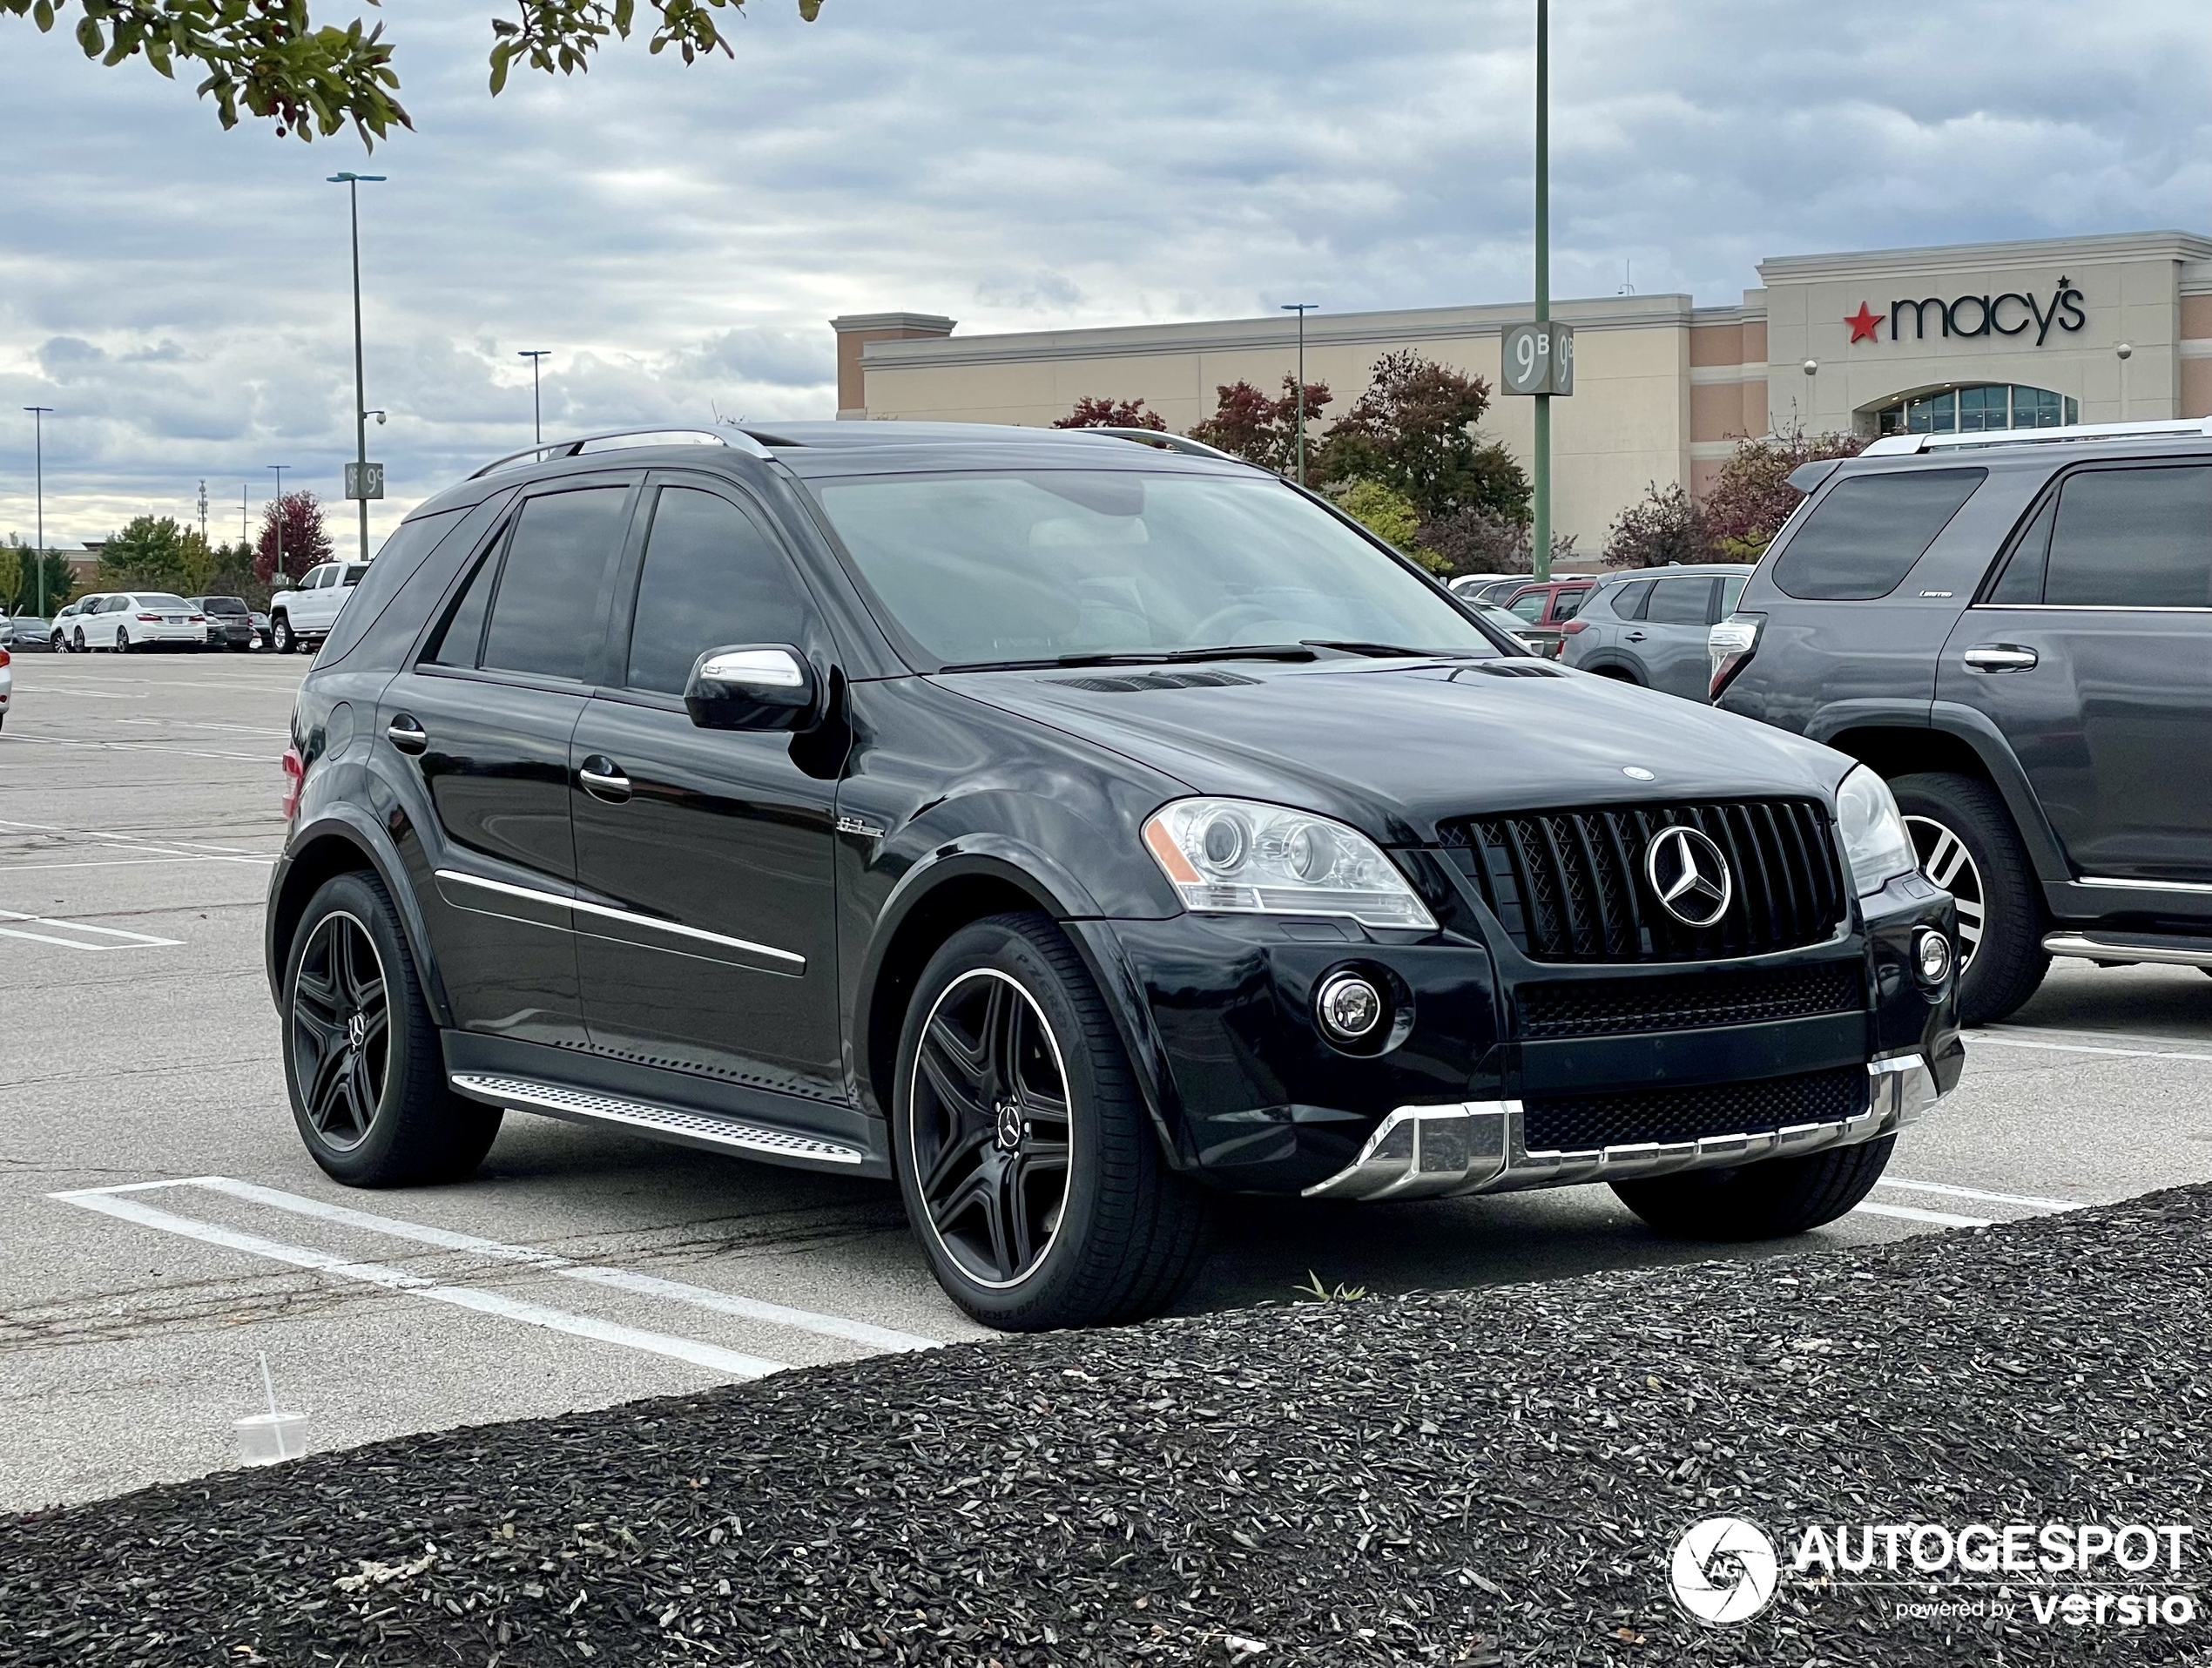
(1875, 840)
(1238, 857)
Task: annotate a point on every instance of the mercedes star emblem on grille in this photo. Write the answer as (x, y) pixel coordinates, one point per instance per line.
(1689, 875)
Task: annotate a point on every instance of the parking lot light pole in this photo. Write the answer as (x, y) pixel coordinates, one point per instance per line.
(1301, 309)
(38, 415)
(1540, 538)
(537, 418)
(353, 183)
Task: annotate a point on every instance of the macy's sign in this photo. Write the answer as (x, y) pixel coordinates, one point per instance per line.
(2009, 315)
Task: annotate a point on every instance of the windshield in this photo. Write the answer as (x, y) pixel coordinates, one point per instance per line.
(990, 568)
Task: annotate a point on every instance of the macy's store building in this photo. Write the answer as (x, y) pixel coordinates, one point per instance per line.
(1974, 337)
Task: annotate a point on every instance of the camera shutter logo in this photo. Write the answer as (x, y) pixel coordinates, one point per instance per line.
(1724, 1571)
(1689, 875)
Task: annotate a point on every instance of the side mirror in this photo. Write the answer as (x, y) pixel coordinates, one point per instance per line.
(758, 686)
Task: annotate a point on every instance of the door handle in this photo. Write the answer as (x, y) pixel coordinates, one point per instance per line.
(602, 780)
(405, 734)
(1635, 636)
(1999, 657)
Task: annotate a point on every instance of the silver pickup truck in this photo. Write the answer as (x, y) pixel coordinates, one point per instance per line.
(302, 617)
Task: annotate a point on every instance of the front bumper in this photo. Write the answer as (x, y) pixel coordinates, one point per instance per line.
(1481, 1146)
(1502, 1074)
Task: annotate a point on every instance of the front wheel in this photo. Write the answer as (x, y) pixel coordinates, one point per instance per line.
(1770, 1201)
(1967, 846)
(361, 1057)
(122, 640)
(1027, 1158)
(77, 642)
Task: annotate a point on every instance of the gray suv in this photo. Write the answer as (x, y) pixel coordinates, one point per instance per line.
(2016, 631)
(1650, 627)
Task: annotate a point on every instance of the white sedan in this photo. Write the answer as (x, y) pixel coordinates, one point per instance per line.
(141, 619)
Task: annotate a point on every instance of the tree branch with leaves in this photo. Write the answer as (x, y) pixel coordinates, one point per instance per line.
(272, 60)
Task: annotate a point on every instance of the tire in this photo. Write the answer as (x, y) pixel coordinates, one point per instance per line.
(1770, 1201)
(122, 640)
(280, 638)
(370, 1100)
(1009, 1012)
(1963, 832)
(79, 644)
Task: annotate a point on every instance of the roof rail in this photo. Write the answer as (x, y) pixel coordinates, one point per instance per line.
(624, 437)
(2172, 428)
(1168, 442)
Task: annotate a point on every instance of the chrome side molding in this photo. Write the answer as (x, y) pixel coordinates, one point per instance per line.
(1479, 1147)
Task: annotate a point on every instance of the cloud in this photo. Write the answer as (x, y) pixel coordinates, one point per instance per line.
(679, 237)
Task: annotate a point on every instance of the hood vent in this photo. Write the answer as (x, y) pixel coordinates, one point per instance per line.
(1135, 681)
(1513, 668)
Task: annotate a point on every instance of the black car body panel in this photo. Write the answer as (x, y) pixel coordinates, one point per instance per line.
(739, 935)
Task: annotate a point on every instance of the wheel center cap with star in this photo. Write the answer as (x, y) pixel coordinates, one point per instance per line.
(1009, 1126)
(356, 1030)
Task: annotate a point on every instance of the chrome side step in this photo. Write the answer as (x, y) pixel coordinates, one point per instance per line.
(669, 1122)
(2084, 948)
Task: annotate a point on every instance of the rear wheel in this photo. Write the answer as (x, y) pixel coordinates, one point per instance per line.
(1028, 1160)
(280, 635)
(1759, 1201)
(361, 1058)
(1968, 846)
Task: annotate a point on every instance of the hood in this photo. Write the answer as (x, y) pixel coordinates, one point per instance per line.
(1395, 748)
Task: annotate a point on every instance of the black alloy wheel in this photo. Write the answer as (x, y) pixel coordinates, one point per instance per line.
(1027, 1157)
(368, 1080)
(341, 1026)
(991, 1128)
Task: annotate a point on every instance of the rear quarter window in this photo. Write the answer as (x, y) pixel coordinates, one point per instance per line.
(404, 551)
(1865, 536)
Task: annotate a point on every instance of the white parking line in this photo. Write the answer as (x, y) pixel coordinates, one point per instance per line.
(20, 740)
(2085, 1048)
(1905, 1212)
(1945, 1188)
(710, 1356)
(132, 941)
(828, 1326)
(622, 1280)
(141, 843)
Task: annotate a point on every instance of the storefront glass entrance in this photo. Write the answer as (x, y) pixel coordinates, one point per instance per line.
(1978, 410)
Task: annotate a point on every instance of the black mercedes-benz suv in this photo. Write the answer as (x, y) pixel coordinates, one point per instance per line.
(1070, 826)
(2015, 629)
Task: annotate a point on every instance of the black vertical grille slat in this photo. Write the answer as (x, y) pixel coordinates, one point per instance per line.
(1570, 885)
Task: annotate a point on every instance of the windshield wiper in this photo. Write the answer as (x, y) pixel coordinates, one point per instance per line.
(1381, 649)
(1148, 657)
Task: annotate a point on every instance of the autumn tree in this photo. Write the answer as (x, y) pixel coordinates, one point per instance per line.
(1261, 429)
(272, 59)
(1477, 539)
(1094, 411)
(1414, 429)
(294, 523)
(1665, 525)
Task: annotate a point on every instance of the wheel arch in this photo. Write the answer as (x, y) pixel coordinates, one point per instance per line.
(335, 845)
(1961, 739)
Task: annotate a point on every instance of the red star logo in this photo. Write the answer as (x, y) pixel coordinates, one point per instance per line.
(1865, 324)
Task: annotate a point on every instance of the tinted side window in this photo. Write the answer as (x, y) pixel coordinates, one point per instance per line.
(2022, 580)
(463, 635)
(1629, 601)
(2132, 539)
(1528, 606)
(1864, 537)
(551, 612)
(1680, 602)
(711, 577)
(1570, 603)
(397, 559)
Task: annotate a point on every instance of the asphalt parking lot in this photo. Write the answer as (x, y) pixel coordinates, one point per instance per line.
(166, 1228)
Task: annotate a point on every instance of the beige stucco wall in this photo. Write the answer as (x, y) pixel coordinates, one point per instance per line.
(1627, 423)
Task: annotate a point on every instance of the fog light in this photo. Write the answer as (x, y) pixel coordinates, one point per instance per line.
(1932, 955)
(1349, 1005)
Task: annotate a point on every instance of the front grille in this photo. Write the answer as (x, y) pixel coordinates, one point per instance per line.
(1586, 1123)
(1683, 1001)
(1569, 886)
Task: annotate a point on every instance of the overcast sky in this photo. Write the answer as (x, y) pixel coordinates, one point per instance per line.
(678, 237)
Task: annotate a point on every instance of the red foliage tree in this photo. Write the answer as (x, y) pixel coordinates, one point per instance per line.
(1751, 496)
(1094, 411)
(305, 541)
(1260, 429)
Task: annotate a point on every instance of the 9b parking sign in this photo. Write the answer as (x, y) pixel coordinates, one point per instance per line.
(1540, 358)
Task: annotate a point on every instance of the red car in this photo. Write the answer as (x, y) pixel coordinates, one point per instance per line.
(1547, 606)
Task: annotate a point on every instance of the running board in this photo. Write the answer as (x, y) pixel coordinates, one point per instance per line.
(2128, 947)
(667, 1122)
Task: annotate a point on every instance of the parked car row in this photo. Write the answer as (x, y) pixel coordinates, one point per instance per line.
(128, 621)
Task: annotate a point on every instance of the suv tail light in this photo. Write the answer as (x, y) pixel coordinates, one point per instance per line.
(1568, 628)
(295, 777)
(4, 656)
(1731, 643)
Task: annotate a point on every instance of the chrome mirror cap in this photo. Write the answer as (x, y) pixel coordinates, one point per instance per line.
(752, 669)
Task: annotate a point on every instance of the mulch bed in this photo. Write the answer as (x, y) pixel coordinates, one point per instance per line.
(1495, 1477)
